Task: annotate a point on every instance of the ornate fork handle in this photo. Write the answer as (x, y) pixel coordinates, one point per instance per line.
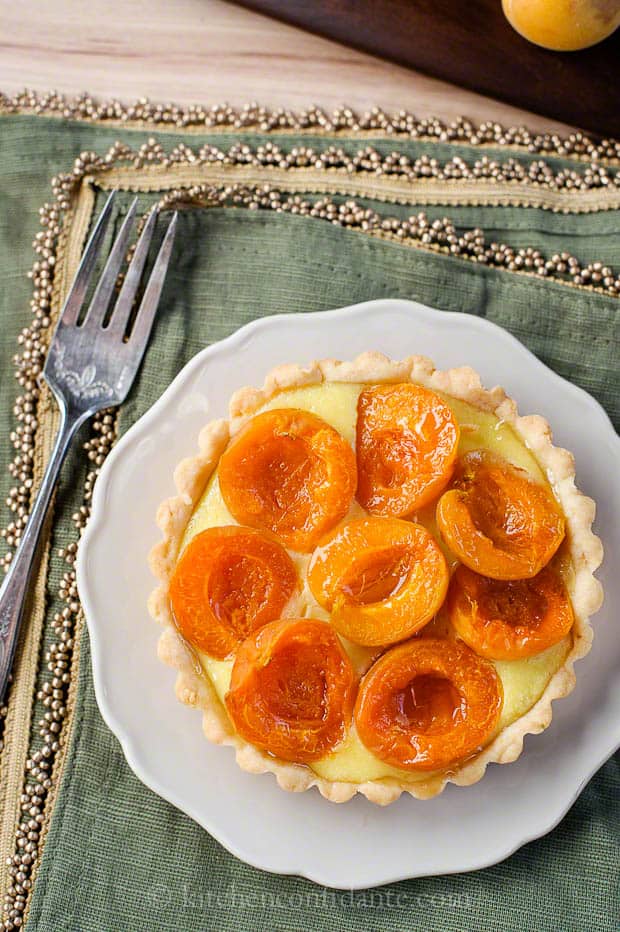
(17, 580)
(90, 366)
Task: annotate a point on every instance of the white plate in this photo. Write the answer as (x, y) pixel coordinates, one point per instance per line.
(354, 845)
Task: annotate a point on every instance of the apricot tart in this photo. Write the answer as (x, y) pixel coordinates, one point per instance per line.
(375, 577)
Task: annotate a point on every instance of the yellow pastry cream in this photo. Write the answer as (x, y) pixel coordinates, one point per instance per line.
(523, 680)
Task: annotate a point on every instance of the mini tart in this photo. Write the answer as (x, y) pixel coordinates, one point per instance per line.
(201, 683)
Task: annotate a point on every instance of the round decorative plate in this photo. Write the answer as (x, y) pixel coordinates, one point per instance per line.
(465, 827)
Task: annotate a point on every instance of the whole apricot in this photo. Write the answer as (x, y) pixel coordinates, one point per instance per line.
(563, 25)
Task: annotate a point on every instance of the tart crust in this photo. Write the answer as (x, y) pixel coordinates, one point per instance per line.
(191, 476)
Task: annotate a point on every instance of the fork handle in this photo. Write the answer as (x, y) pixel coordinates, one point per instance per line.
(14, 589)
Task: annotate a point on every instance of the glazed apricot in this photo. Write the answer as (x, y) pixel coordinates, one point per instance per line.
(509, 619)
(407, 439)
(427, 704)
(228, 582)
(382, 579)
(497, 520)
(292, 689)
(289, 472)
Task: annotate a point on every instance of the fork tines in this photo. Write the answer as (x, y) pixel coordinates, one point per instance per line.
(97, 315)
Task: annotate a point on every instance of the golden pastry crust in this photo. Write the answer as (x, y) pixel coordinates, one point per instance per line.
(191, 476)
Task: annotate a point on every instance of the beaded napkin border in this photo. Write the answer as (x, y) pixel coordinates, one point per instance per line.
(302, 182)
(376, 123)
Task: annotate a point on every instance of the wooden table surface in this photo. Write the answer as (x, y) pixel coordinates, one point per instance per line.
(209, 51)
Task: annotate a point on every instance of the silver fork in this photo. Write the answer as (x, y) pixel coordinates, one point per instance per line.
(90, 365)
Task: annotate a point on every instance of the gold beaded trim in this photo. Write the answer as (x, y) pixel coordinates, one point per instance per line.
(393, 178)
(312, 121)
(399, 165)
(44, 766)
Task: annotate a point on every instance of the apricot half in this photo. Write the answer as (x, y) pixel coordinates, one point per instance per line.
(407, 439)
(228, 582)
(427, 704)
(497, 520)
(292, 689)
(289, 472)
(509, 619)
(382, 579)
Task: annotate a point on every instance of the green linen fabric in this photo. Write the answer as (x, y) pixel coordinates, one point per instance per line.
(117, 857)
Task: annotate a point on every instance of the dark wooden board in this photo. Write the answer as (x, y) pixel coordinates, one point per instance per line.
(470, 43)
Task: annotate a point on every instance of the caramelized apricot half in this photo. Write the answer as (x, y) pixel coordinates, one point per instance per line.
(427, 704)
(497, 520)
(407, 439)
(289, 472)
(382, 579)
(509, 619)
(228, 582)
(292, 689)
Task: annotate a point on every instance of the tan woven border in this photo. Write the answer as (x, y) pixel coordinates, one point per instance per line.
(23, 691)
(363, 184)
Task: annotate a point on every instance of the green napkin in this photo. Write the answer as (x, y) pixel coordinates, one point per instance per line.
(115, 855)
